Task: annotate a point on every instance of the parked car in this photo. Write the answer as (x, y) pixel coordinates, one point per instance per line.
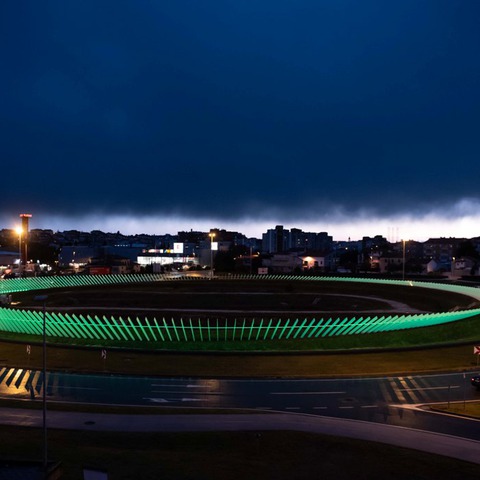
(475, 381)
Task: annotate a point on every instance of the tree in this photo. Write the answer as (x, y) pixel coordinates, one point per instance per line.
(349, 260)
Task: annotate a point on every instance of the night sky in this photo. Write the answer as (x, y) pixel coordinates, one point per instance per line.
(352, 117)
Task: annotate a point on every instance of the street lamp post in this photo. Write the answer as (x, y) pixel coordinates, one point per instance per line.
(19, 232)
(212, 236)
(251, 259)
(43, 299)
(403, 263)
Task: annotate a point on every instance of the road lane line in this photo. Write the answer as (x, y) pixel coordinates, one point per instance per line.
(205, 394)
(308, 393)
(178, 385)
(155, 400)
(428, 388)
(77, 388)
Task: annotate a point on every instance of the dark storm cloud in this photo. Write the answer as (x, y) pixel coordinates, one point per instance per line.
(227, 108)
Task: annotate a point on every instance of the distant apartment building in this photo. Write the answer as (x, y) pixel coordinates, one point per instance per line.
(377, 243)
(305, 241)
(476, 243)
(281, 240)
(388, 263)
(274, 240)
(442, 250)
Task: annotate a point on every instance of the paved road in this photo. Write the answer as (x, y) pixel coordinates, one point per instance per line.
(389, 400)
(313, 395)
(379, 409)
(447, 445)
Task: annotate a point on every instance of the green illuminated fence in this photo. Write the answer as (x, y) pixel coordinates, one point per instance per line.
(67, 281)
(120, 329)
(93, 327)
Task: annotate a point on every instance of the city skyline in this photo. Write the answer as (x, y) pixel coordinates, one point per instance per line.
(110, 225)
(353, 118)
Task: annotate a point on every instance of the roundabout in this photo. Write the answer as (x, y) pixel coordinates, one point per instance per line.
(230, 313)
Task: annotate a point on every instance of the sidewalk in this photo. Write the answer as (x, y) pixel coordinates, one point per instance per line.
(450, 446)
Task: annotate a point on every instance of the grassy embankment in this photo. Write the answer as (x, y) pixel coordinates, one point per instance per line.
(232, 455)
(469, 409)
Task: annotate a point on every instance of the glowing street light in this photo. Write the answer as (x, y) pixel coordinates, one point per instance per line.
(212, 236)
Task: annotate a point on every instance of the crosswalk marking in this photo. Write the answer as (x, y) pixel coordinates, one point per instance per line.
(403, 382)
(11, 376)
(385, 393)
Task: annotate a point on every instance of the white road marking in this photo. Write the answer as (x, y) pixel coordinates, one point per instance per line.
(307, 393)
(397, 391)
(67, 387)
(428, 388)
(178, 385)
(403, 383)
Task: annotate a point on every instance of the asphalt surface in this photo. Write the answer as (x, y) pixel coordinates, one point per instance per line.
(447, 445)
